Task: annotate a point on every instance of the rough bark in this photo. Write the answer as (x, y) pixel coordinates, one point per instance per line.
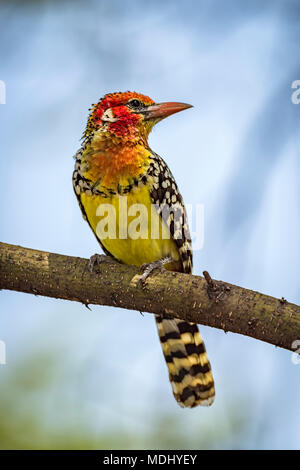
(193, 298)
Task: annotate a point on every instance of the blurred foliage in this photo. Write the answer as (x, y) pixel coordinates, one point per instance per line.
(36, 412)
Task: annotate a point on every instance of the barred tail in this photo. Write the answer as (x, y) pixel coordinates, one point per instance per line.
(189, 368)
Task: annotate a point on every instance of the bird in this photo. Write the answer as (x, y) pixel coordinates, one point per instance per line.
(115, 171)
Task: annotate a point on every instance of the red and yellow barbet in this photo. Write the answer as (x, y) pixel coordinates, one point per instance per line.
(114, 162)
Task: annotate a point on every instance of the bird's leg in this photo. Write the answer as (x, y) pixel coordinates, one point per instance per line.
(97, 259)
(149, 268)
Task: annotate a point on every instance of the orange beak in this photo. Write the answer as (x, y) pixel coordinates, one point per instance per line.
(163, 110)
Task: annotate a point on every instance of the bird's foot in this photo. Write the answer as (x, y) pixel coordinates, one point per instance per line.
(149, 268)
(97, 259)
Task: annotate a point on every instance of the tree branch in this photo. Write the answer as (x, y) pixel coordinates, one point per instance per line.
(192, 298)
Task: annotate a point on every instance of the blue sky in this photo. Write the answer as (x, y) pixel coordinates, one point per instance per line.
(236, 152)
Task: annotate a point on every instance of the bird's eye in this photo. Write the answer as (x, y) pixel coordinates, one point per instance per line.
(135, 104)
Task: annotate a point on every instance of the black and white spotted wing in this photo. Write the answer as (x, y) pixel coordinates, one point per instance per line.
(169, 204)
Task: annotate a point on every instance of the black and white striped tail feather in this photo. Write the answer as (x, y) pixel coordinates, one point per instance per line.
(189, 368)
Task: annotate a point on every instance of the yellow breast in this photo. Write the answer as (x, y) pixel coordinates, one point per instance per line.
(129, 226)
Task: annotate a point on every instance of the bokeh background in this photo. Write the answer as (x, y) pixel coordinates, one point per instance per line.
(76, 378)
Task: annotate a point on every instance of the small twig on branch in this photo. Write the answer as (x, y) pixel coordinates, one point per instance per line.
(209, 281)
(192, 298)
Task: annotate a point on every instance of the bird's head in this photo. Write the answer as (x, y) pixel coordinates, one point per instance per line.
(129, 115)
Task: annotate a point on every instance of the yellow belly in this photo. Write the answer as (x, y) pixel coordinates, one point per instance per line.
(129, 227)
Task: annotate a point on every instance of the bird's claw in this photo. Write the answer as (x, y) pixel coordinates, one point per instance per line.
(149, 268)
(96, 260)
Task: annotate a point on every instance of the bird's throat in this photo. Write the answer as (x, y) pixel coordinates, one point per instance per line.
(112, 162)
